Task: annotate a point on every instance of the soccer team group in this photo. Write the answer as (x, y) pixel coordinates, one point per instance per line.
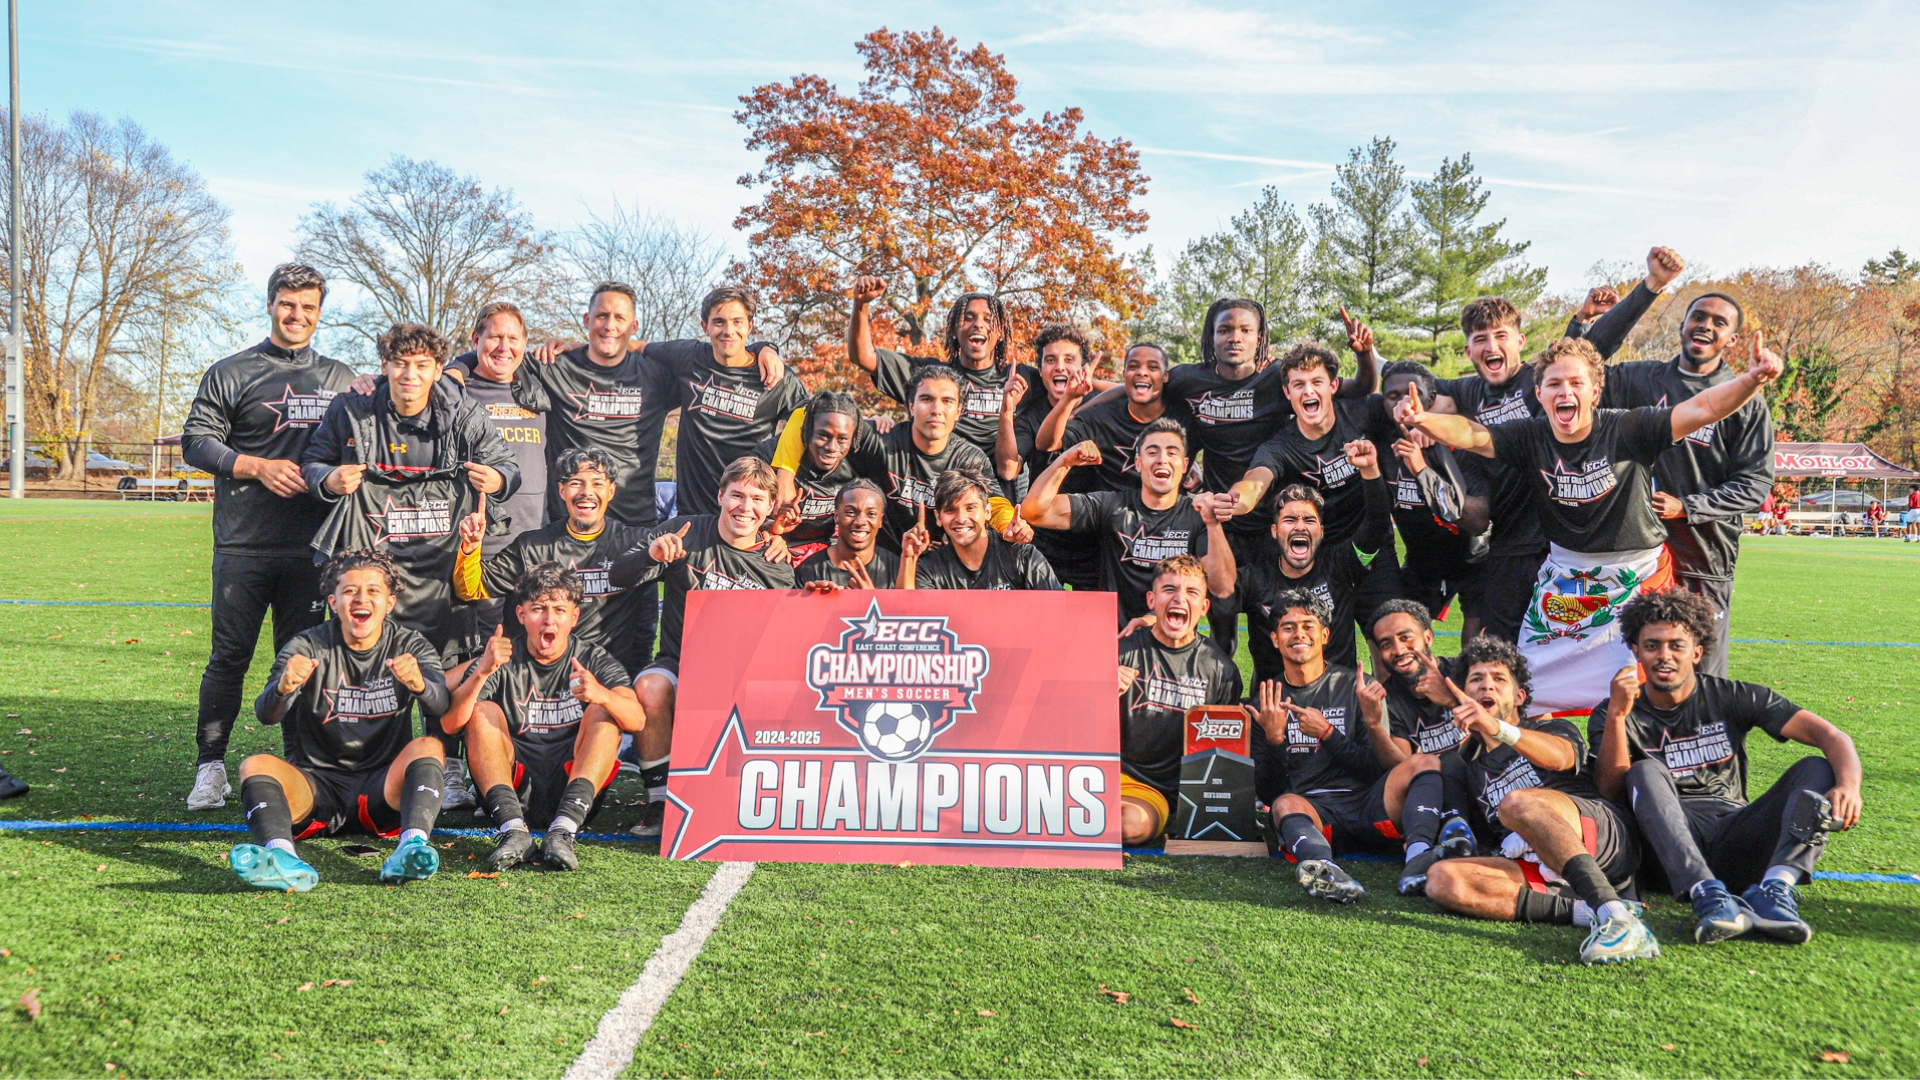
(483, 536)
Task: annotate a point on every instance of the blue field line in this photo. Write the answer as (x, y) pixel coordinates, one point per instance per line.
(213, 827)
(98, 603)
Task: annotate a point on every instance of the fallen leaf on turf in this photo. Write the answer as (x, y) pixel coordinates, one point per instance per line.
(285, 919)
(6, 952)
(304, 987)
(582, 915)
(1423, 1063)
(111, 1066)
(478, 874)
(112, 958)
(1839, 1057)
(99, 868)
(1118, 995)
(29, 1003)
(1577, 1072)
(903, 865)
(129, 641)
(538, 981)
(1666, 1046)
(983, 1012)
(1191, 996)
(62, 768)
(1179, 1023)
(338, 982)
(502, 1012)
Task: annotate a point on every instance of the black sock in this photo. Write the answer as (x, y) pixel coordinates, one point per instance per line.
(503, 805)
(1420, 817)
(1300, 838)
(268, 817)
(654, 776)
(1547, 907)
(420, 794)
(1583, 873)
(577, 801)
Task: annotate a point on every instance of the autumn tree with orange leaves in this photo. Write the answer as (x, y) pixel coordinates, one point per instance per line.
(931, 176)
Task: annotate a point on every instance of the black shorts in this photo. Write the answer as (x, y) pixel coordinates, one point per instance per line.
(662, 665)
(348, 802)
(1356, 820)
(1606, 836)
(542, 768)
(1497, 591)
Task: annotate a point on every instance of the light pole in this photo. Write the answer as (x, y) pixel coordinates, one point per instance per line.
(16, 395)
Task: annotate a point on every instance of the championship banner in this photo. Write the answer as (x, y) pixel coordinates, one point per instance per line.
(946, 727)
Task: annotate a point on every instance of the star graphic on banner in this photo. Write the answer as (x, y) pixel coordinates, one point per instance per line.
(869, 624)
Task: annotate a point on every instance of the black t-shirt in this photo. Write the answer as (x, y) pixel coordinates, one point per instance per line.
(352, 715)
(1703, 740)
(1113, 429)
(1228, 422)
(1007, 566)
(1503, 769)
(1066, 551)
(1516, 526)
(907, 475)
(1322, 463)
(1427, 508)
(724, 411)
(1335, 577)
(816, 491)
(981, 392)
(538, 698)
(1153, 711)
(1595, 495)
(1426, 726)
(620, 409)
(819, 567)
(525, 433)
(710, 563)
(608, 614)
(1343, 761)
(415, 519)
(266, 402)
(1133, 540)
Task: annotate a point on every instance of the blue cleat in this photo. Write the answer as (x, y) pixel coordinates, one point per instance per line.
(1718, 914)
(1456, 838)
(413, 860)
(272, 868)
(1775, 909)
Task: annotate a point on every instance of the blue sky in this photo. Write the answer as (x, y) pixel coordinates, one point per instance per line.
(1780, 134)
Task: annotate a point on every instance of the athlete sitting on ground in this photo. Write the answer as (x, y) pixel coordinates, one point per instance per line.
(1568, 853)
(345, 692)
(1420, 719)
(1165, 669)
(974, 557)
(854, 560)
(1676, 746)
(542, 717)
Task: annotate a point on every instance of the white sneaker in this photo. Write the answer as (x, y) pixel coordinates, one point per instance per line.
(454, 794)
(210, 787)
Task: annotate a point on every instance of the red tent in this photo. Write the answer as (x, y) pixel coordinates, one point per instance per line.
(1853, 460)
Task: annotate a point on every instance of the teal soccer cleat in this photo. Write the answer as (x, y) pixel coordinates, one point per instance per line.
(272, 868)
(1618, 940)
(413, 860)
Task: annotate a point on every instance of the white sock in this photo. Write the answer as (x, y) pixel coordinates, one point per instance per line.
(657, 794)
(283, 845)
(564, 824)
(1614, 909)
(1417, 849)
(1788, 874)
(511, 824)
(411, 833)
(1582, 913)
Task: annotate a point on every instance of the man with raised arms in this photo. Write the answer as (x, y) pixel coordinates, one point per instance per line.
(1030, 437)
(854, 560)
(344, 692)
(723, 551)
(1443, 527)
(806, 514)
(1115, 424)
(974, 556)
(1589, 476)
(1674, 746)
(1165, 669)
(542, 717)
(1137, 529)
(248, 425)
(1565, 853)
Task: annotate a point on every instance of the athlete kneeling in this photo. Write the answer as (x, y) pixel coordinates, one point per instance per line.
(542, 718)
(1568, 852)
(345, 691)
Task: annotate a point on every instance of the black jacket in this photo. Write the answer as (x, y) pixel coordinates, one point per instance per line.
(350, 436)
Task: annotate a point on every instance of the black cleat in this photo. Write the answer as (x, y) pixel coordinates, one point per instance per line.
(515, 847)
(1323, 878)
(1456, 838)
(11, 785)
(1413, 877)
(1810, 818)
(557, 850)
(653, 817)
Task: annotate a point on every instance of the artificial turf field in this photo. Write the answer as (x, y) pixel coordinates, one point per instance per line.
(151, 959)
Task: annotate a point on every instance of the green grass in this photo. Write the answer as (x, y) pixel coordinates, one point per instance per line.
(147, 954)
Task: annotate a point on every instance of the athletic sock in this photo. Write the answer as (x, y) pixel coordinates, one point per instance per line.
(1415, 850)
(1584, 874)
(283, 845)
(503, 807)
(654, 775)
(1584, 915)
(1788, 874)
(1420, 817)
(412, 834)
(575, 803)
(420, 794)
(268, 817)
(1302, 840)
(1538, 907)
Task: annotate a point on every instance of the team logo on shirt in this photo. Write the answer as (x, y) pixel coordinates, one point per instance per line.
(1702, 437)
(814, 505)
(896, 682)
(1439, 736)
(1570, 488)
(431, 518)
(593, 579)
(551, 712)
(1147, 548)
(1180, 692)
(612, 403)
(738, 402)
(1518, 774)
(1126, 455)
(1331, 472)
(1688, 753)
(1406, 493)
(911, 490)
(1504, 411)
(299, 410)
(352, 704)
(1210, 408)
(712, 578)
(983, 400)
(1299, 742)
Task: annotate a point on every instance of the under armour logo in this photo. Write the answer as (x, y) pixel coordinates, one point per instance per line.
(255, 806)
(435, 792)
(1434, 810)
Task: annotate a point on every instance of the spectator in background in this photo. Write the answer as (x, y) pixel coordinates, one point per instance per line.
(1912, 518)
(1876, 518)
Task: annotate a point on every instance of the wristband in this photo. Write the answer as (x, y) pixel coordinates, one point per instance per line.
(1508, 733)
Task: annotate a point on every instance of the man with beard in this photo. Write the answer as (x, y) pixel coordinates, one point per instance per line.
(1165, 670)
(248, 425)
(1708, 481)
(1589, 475)
(1443, 527)
(1566, 854)
(1327, 765)
(807, 510)
(542, 717)
(977, 335)
(723, 551)
(1420, 719)
(974, 556)
(854, 560)
(1673, 741)
(1030, 436)
(1138, 529)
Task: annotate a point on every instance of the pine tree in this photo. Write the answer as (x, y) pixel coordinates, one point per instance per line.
(1261, 255)
(1457, 258)
(1363, 243)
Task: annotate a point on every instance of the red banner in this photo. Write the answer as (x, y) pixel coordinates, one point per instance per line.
(971, 728)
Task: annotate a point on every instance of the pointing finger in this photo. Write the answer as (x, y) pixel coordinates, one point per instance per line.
(683, 529)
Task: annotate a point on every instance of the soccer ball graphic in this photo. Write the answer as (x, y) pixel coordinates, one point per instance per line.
(896, 730)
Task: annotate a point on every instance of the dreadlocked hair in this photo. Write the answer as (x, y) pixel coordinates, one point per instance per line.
(1261, 354)
(996, 308)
